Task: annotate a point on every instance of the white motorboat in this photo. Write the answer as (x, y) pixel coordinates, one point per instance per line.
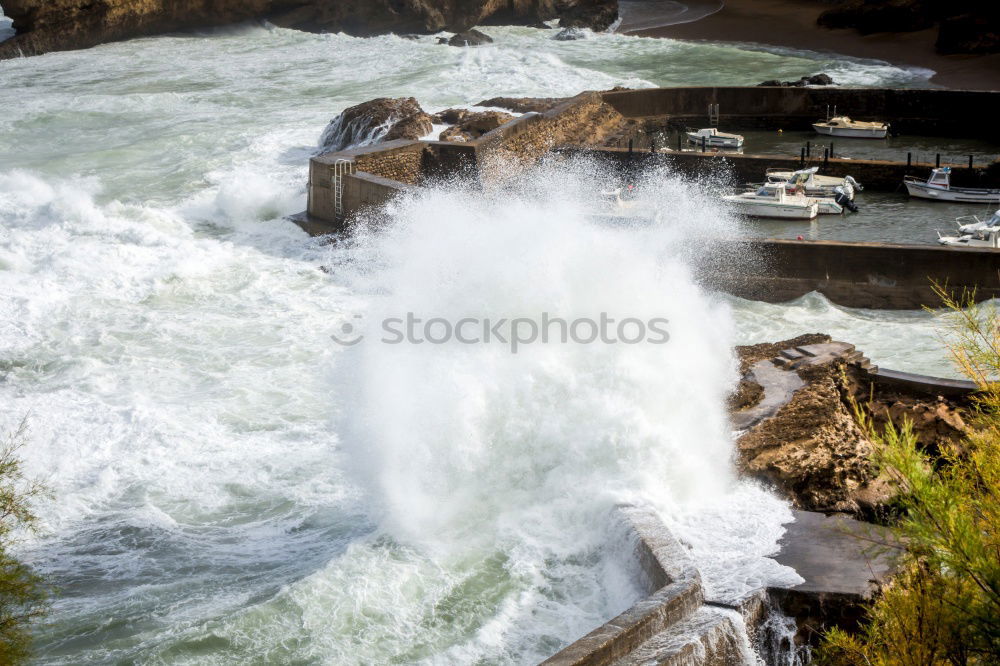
(843, 126)
(713, 138)
(815, 185)
(974, 232)
(990, 238)
(772, 200)
(938, 187)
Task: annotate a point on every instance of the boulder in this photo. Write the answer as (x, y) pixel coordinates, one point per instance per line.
(598, 15)
(381, 119)
(970, 33)
(571, 34)
(820, 79)
(869, 16)
(470, 38)
(472, 125)
(524, 104)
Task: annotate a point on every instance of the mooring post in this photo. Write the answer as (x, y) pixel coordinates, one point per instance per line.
(679, 148)
(652, 144)
(702, 144)
(826, 157)
(909, 160)
(802, 157)
(808, 148)
(970, 161)
(630, 148)
(831, 149)
(937, 161)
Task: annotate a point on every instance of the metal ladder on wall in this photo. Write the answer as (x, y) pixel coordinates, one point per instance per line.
(713, 115)
(341, 168)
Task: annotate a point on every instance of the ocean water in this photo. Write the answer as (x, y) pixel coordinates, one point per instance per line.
(230, 485)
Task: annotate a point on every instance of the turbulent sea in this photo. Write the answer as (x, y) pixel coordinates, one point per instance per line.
(230, 486)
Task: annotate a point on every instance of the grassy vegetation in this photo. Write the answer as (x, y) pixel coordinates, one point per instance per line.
(23, 595)
(944, 607)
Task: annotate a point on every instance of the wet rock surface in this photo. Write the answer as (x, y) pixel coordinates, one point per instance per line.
(58, 25)
(597, 15)
(470, 38)
(470, 125)
(820, 79)
(810, 447)
(524, 104)
(382, 119)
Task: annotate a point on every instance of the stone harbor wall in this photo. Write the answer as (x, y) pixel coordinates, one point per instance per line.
(948, 113)
(877, 175)
(858, 275)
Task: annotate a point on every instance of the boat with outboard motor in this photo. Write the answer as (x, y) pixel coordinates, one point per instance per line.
(938, 187)
(713, 138)
(773, 200)
(843, 126)
(813, 184)
(974, 232)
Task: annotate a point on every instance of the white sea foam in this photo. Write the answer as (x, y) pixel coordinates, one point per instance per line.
(229, 485)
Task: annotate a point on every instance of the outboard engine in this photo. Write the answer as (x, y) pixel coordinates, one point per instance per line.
(840, 196)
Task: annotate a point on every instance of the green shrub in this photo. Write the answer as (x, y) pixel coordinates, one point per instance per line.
(944, 606)
(23, 595)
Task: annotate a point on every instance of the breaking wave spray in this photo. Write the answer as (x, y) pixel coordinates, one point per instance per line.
(498, 471)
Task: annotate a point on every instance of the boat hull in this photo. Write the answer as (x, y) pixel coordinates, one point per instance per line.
(715, 142)
(953, 195)
(852, 133)
(774, 211)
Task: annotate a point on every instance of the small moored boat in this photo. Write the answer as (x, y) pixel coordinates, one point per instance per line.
(938, 187)
(772, 200)
(814, 185)
(974, 232)
(713, 138)
(843, 126)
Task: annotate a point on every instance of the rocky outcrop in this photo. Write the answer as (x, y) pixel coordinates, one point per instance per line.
(382, 119)
(470, 125)
(966, 26)
(820, 79)
(524, 104)
(57, 25)
(593, 14)
(809, 446)
(470, 38)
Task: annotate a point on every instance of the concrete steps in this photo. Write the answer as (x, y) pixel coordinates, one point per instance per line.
(707, 637)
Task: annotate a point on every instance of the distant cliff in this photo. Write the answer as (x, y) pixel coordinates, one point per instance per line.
(59, 25)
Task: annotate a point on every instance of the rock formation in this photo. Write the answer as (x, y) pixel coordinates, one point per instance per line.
(814, 80)
(470, 125)
(56, 25)
(966, 26)
(524, 104)
(812, 449)
(470, 38)
(382, 119)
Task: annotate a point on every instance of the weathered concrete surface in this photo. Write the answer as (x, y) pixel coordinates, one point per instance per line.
(861, 275)
(843, 562)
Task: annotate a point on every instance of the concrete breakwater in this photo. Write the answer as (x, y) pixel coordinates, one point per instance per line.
(346, 183)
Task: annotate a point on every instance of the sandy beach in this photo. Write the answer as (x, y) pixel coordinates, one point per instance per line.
(792, 24)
